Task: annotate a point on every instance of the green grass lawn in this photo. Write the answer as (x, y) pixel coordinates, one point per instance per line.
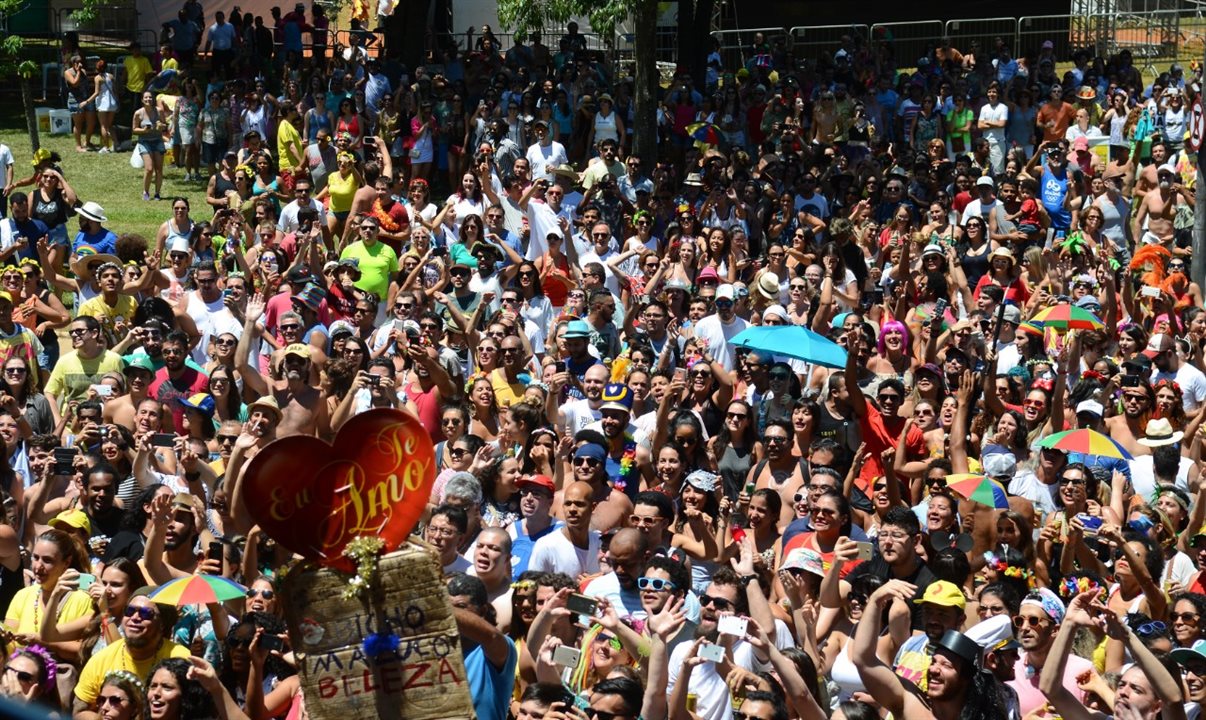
(110, 181)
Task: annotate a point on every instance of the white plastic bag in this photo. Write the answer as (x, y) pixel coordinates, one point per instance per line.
(136, 159)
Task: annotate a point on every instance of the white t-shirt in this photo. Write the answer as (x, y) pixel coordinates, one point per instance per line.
(287, 222)
(714, 702)
(543, 158)
(717, 335)
(212, 319)
(555, 553)
(998, 114)
(1192, 382)
(976, 209)
(578, 414)
(1143, 476)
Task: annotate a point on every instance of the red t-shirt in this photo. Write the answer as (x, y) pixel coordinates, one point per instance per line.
(879, 436)
(168, 391)
(429, 409)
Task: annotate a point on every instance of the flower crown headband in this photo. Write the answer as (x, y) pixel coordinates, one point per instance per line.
(48, 662)
(127, 676)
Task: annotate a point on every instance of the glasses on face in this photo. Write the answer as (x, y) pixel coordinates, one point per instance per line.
(721, 604)
(655, 584)
(290, 327)
(146, 614)
(101, 701)
(77, 332)
(1185, 617)
(685, 440)
(587, 461)
(736, 416)
(1034, 403)
(16, 371)
(441, 531)
(266, 594)
(887, 398)
(775, 439)
(224, 439)
(1074, 481)
(1021, 621)
(24, 676)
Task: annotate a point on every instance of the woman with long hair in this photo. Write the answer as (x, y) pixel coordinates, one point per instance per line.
(22, 384)
(39, 309)
(500, 496)
(483, 407)
(926, 125)
(186, 141)
(735, 449)
(340, 191)
(224, 387)
(696, 523)
(347, 120)
(80, 99)
(421, 142)
(267, 182)
(148, 126)
(54, 554)
(104, 99)
(805, 421)
(173, 694)
(974, 250)
(110, 593)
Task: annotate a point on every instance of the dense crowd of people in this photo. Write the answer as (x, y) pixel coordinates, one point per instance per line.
(636, 516)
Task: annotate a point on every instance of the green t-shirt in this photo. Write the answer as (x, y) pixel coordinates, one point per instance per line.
(377, 265)
(71, 376)
(954, 119)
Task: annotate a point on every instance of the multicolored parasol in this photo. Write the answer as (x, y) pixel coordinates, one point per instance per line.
(979, 488)
(197, 590)
(1068, 317)
(1085, 442)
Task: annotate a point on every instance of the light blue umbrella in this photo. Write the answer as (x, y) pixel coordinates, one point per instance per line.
(793, 341)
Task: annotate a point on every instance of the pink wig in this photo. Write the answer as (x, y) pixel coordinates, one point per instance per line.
(889, 326)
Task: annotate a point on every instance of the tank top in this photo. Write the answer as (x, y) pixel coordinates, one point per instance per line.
(318, 121)
(605, 127)
(79, 91)
(222, 185)
(173, 233)
(351, 127)
(845, 674)
(734, 466)
(975, 262)
(342, 190)
(53, 212)
(1054, 191)
(836, 429)
(1117, 123)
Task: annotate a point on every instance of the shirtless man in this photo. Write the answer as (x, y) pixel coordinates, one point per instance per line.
(302, 406)
(782, 470)
(1159, 208)
(122, 410)
(612, 507)
(1148, 179)
(1128, 427)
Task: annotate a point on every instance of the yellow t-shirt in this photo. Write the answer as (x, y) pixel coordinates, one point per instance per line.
(136, 73)
(505, 394)
(71, 376)
(287, 139)
(116, 657)
(342, 191)
(25, 612)
(107, 315)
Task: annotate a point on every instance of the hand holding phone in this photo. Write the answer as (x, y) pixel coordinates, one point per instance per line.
(582, 605)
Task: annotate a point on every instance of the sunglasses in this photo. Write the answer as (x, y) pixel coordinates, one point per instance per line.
(588, 461)
(1021, 621)
(145, 614)
(719, 603)
(655, 584)
(1071, 481)
(112, 700)
(266, 594)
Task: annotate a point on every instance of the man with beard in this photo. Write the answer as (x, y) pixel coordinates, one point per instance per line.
(1153, 223)
(1149, 179)
(535, 501)
(579, 414)
(942, 610)
(627, 554)
(956, 689)
(302, 407)
(1127, 428)
(572, 549)
(171, 550)
(603, 333)
(716, 330)
(666, 582)
(1192, 661)
(615, 423)
(899, 534)
(780, 469)
(146, 629)
(611, 505)
(111, 304)
(177, 380)
(576, 339)
(1036, 626)
(1146, 690)
(139, 373)
(724, 596)
(84, 366)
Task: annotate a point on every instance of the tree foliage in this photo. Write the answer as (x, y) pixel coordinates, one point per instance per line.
(532, 15)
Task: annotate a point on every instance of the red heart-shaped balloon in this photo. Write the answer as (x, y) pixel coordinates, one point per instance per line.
(315, 498)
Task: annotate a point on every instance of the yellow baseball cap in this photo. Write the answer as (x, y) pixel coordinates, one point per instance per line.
(945, 594)
(72, 520)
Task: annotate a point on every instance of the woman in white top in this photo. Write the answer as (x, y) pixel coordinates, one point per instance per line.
(106, 104)
(607, 125)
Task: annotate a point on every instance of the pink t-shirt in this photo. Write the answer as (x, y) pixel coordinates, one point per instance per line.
(1026, 682)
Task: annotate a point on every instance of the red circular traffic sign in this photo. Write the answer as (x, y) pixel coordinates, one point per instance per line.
(1197, 125)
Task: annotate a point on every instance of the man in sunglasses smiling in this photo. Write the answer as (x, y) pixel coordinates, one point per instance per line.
(145, 628)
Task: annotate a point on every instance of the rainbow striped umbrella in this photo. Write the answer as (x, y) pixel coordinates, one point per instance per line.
(197, 590)
(1068, 317)
(705, 132)
(979, 488)
(1085, 442)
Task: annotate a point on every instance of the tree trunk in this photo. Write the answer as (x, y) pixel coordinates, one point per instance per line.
(644, 131)
(31, 120)
(694, 40)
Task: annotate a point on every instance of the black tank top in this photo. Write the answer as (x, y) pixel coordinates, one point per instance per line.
(836, 429)
(11, 581)
(222, 185)
(53, 212)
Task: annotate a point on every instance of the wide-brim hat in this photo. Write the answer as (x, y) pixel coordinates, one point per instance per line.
(1159, 432)
(87, 258)
(92, 211)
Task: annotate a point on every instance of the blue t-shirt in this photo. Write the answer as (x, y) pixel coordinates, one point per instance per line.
(521, 547)
(491, 687)
(32, 230)
(104, 241)
(1054, 191)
